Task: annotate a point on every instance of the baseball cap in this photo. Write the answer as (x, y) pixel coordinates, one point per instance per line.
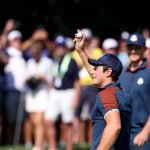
(109, 43)
(15, 34)
(60, 40)
(124, 35)
(136, 39)
(69, 43)
(110, 61)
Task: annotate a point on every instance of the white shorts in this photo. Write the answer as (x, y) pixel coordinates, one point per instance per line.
(36, 102)
(60, 102)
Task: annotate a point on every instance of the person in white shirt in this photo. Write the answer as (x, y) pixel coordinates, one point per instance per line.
(38, 81)
(15, 80)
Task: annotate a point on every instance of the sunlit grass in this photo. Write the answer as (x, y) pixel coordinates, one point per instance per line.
(76, 147)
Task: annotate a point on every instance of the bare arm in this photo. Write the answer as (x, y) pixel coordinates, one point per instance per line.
(77, 87)
(26, 44)
(80, 48)
(147, 126)
(9, 26)
(111, 131)
(4, 58)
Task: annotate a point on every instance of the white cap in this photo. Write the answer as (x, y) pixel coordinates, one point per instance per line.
(87, 32)
(15, 34)
(148, 42)
(69, 43)
(109, 43)
(125, 35)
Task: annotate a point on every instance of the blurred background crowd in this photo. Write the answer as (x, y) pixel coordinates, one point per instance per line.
(46, 94)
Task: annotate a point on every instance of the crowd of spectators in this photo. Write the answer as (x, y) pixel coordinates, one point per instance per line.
(46, 94)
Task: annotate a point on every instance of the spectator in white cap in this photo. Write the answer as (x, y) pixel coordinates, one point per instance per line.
(69, 44)
(110, 45)
(14, 35)
(15, 76)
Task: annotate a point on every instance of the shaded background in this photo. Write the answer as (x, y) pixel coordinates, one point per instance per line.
(104, 17)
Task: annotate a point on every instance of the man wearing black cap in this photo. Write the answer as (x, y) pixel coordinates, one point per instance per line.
(112, 107)
(136, 81)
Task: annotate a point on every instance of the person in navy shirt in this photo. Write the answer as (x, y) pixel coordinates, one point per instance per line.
(136, 81)
(112, 110)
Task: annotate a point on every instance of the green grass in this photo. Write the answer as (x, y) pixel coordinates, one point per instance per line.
(12, 148)
(76, 147)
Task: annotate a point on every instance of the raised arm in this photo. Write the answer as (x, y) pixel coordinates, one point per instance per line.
(80, 48)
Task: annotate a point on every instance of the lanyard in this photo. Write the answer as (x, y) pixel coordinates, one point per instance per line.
(56, 72)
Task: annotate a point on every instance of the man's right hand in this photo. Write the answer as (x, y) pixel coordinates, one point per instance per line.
(79, 42)
(141, 138)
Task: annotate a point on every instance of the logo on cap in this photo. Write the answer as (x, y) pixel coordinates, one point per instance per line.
(134, 38)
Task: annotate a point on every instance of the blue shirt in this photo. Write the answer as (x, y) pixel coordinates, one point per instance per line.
(137, 83)
(108, 98)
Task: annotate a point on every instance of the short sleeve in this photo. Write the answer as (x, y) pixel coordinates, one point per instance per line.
(109, 100)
